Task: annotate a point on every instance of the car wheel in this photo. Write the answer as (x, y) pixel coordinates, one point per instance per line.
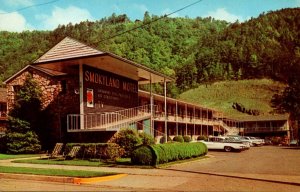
(227, 148)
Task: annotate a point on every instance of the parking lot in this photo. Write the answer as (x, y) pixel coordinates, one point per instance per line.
(271, 160)
(265, 168)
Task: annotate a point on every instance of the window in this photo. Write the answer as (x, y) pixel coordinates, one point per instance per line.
(63, 84)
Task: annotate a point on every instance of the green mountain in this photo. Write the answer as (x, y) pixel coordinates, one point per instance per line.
(252, 94)
(193, 51)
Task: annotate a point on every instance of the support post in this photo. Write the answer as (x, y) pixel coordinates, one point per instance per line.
(165, 99)
(151, 109)
(81, 96)
(176, 118)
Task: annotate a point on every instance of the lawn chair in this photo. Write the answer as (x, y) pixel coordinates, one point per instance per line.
(56, 151)
(73, 153)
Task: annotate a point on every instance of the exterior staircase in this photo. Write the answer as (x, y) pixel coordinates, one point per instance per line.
(229, 130)
(110, 121)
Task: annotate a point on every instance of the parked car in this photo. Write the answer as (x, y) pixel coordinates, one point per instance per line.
(254, 141)
(219, 143)
(294, 143)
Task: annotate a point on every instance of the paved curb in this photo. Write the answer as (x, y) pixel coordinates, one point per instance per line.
(98, 179)
(60, 179)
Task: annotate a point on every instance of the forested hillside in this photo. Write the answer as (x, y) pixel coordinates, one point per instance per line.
(194, 51)
(253, 95)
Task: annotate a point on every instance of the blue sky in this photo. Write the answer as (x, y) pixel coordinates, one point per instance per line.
(49, 16)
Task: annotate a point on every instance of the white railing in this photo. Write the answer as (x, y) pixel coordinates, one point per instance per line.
(265, 129)
(108, 121)
(230, 130)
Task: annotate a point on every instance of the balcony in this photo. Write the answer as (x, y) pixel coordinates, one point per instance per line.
(265, 129)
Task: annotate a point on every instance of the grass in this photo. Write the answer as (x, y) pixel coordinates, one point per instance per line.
(253, 94)
(11, 156)
(76, 162)
(53, 172)
(181, 161)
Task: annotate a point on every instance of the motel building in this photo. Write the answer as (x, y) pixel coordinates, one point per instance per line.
(89, 95)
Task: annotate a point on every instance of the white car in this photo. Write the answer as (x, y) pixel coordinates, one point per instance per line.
(221, 144)
(253, 140)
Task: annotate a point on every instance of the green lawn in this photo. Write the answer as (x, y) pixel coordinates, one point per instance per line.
(10, 156)
(54, 172)
(76, 162)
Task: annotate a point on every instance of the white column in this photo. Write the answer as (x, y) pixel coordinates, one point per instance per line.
(165, 98)
(151, 108)
(81, 96)
(176, 118)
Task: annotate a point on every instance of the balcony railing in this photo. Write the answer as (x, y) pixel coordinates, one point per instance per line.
(160, 116)
(265, 129)
(108, 121)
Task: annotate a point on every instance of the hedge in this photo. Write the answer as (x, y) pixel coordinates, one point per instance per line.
(163, 153)
(93, 150)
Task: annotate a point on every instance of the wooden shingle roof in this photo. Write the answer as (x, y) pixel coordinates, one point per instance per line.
(66, 49)
(41, 69)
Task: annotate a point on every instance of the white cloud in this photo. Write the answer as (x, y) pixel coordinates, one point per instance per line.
(62, 16)
(223, 14)
(13, 22)
(168, 11)
(297, 3)
(140, 7)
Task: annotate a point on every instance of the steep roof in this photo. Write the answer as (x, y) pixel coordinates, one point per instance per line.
(41, 69)
(66, 49)
(71, 52)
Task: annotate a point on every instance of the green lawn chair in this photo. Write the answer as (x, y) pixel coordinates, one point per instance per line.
(72, 153)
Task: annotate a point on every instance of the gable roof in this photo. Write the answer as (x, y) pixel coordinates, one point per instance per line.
(41, 69)
(71, 52)
(66, 49)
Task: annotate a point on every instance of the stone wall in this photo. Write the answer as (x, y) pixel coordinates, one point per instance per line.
(58, 100)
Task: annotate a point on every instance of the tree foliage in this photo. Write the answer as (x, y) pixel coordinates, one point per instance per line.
(23, 121)
(193, 51)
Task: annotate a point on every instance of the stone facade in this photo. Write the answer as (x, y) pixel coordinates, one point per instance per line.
(58, 100)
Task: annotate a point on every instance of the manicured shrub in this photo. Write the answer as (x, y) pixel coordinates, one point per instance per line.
(162, 140)
(201, 137)
(128, 139)
(187, 138)
(142, 156)
(105, 151)
(163, 153)
(147, 139)
(178, 138)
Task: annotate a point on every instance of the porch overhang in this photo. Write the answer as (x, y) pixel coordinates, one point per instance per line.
(108, 62)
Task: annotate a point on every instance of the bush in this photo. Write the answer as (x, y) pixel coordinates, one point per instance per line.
(162, 140)
(146, 139)
(201, 137)
(128, 139)
(110, 151)
(163, 153)
(187, 138)
(178, 138)
(20, 139)
(142, 156)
